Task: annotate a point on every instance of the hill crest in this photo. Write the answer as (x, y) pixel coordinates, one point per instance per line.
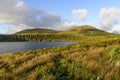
(84, 30)
(79, 30)
(37, 31)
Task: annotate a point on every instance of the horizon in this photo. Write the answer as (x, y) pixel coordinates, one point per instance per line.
(74, 27)
(17, 15)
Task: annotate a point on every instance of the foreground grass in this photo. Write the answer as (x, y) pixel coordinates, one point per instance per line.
(91, 58)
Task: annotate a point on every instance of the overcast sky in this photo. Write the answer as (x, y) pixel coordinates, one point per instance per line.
(16, 15)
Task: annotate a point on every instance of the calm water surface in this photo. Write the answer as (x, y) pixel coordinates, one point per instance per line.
(9, 47)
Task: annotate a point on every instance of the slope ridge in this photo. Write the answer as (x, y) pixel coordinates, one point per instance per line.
(84, 30)
(37, 31)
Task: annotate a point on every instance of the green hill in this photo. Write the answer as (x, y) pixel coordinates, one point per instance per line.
(40, 34)
(81, 30)
(84, 30)
(37, 31)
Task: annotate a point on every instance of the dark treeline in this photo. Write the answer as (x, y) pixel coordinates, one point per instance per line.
(47, 37)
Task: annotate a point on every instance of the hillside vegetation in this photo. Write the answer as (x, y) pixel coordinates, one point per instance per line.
(93, 57)
(37, 31)
(52, 35)
(84, 30)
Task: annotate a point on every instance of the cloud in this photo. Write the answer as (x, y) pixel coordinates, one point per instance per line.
(109, 18)
(65, 25)
(79, 14)
(21, 16)
(16, 12)
(116, 31)
(14, 29)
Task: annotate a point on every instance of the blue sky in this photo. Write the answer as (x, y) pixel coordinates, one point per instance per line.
(64, 9)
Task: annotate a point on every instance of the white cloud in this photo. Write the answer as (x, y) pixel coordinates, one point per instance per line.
(21, 16)
(79, 14)
(18, 13)
(65, 25)
(13, 28)
(109, 18)
(116, 31)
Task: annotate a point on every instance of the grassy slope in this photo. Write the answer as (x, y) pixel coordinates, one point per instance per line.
(84, 30)
(92, 58)
(52, 35)
(79, 30)
(37, 31)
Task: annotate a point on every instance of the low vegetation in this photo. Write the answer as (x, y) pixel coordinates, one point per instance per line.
(93, 57)
(36, 31)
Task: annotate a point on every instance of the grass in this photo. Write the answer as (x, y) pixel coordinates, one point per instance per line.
(36, 31)
(84, 30)
(91, 58)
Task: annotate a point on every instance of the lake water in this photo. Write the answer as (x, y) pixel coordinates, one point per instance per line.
(9, 47)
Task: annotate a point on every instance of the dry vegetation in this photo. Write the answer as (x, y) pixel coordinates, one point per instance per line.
(91, 58)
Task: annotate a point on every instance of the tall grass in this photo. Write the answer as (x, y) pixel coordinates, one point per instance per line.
(91, 58)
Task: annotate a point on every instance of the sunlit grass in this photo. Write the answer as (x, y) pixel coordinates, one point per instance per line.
(91, 58)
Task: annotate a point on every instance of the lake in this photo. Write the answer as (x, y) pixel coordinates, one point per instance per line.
(10, 47)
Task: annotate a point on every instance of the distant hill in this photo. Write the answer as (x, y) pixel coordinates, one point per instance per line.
(84, 30)
(78, 30)
(37, 31)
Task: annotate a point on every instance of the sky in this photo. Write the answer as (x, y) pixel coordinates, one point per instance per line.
(16, 15)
